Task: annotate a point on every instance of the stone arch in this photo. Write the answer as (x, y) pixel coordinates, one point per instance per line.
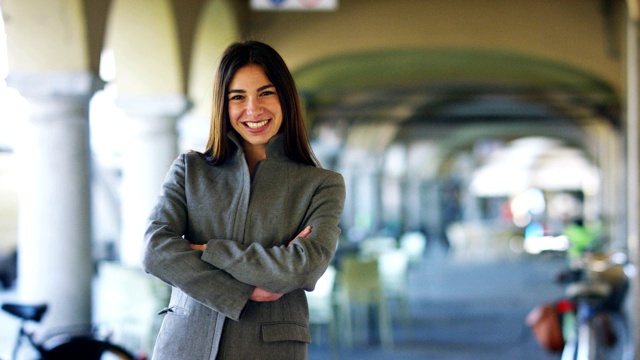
(459, 71)
(144, 38)
(217, 27)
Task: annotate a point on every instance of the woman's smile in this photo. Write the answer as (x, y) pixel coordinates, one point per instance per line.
(255, 125)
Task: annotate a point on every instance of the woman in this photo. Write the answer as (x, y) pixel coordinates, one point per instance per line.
(243, 229)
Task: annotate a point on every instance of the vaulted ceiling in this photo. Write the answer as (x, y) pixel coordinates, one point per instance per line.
(427, 92)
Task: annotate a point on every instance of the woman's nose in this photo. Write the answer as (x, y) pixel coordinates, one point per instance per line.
(254, 107)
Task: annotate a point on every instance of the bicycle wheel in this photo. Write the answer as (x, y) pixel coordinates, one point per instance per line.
(89, 349)
(569, 350)
(599, 339)
(615, 341)
(115, 352)
(587, 341)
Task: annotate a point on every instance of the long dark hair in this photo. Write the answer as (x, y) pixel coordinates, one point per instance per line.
(236, 56)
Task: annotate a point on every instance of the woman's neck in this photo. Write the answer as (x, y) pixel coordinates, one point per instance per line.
(253, 154)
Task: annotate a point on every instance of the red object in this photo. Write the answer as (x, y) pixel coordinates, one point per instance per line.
(544, 321)
(564, 306)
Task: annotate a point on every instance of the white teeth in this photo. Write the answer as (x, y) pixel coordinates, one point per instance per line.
(257, 125)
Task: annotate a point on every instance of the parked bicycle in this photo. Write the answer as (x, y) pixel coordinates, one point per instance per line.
(593, 323)
(67, 345)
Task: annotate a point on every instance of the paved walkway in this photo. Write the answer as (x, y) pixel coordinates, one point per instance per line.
(467, 311)
(459, 311)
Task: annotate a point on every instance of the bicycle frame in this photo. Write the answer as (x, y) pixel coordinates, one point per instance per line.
(22, 334)
(597, 294)
(583, 343)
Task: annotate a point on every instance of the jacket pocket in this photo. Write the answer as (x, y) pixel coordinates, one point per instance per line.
(285, 331)
(175, 310)
(177, 304)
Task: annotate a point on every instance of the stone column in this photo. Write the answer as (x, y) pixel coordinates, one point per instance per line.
(368, 199)
(54, 227)
(412, 204)
(150, 148)
(348, 214)
(632, 129)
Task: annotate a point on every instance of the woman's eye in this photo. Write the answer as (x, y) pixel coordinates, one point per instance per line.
(236, 97)
(267, 92)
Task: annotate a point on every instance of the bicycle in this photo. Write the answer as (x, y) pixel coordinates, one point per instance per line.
(593, 324)
(67, 345)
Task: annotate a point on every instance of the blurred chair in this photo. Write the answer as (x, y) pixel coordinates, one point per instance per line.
(413, 243)
(458, 239)
(321, 306)
(393, 267)
(472, 241)
(359, 290)
(371, 247)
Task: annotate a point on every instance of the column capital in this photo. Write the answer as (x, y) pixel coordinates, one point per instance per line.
(55, 84)
(56, 94)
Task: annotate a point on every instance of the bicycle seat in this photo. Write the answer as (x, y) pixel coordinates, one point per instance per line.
(26, 312)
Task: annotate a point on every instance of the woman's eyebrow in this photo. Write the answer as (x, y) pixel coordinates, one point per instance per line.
(241, 91)
(265, 87)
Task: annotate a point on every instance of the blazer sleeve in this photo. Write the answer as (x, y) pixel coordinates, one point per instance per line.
(282, 269)
(167, 255)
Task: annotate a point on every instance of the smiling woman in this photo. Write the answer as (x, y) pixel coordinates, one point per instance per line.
(243, 229)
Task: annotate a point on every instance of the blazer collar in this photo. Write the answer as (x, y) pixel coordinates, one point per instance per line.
(275, 146)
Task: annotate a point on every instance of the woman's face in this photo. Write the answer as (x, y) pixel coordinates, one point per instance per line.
(254, 106)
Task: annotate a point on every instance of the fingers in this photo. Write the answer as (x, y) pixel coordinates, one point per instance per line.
(261, 295)
(304, 233)
(200, 247)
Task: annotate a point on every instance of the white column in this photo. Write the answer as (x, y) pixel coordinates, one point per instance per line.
(633, 211)
(368, 200)
(150, 148)
(412, 204)
(54, 227)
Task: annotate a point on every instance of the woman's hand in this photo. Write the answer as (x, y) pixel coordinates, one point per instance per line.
(303, 234)
(200, 247)
(262, 295)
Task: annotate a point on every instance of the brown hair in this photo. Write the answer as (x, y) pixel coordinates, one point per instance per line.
(236, 56)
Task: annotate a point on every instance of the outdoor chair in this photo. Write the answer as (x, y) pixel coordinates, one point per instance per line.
(321, 306)
(360, 290)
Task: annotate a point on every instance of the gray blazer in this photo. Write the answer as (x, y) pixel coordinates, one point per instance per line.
(246, 223)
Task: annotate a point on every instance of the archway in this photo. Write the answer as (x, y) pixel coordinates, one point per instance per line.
(450, 100)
